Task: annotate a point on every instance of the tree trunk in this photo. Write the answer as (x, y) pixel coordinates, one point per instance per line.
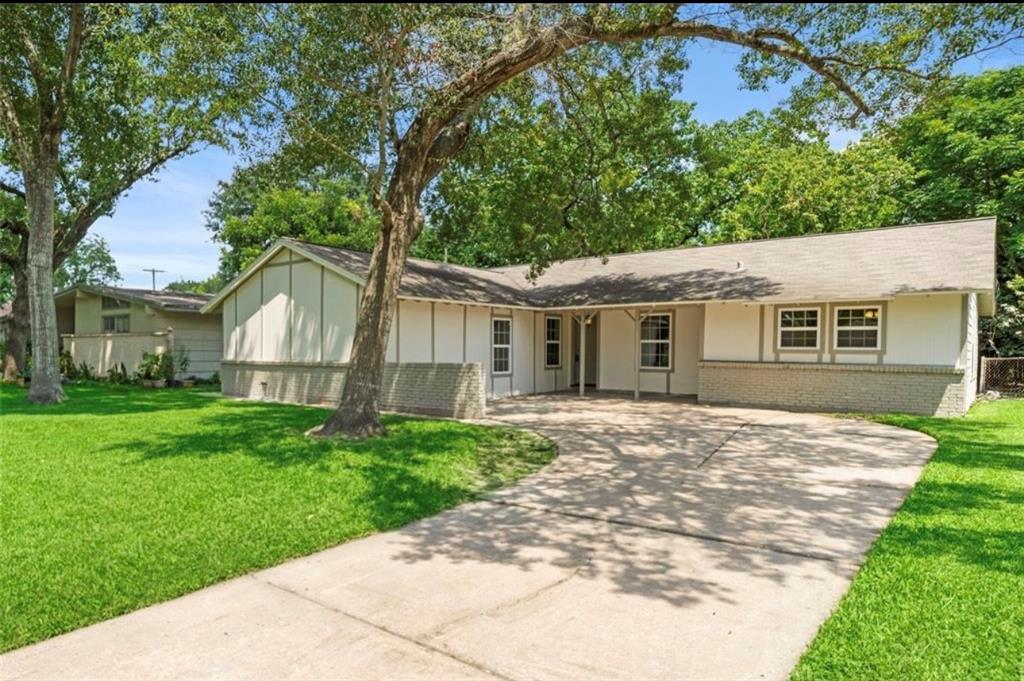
(39, 199)
(358, 414)
(18, 326)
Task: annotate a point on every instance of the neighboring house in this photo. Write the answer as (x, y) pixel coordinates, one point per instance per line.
(878, 320)
(104, 326)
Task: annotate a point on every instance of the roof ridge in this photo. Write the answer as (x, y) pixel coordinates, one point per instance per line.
(935, 223)
(488, 270)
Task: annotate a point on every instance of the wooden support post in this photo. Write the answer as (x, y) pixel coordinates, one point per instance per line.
(583, 354)
(636, 355)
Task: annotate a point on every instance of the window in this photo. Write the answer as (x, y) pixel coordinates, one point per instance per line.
(656, 341)
(115, 323)
(501, 345)
(857, 328)
(798, 328)
(552, 342)
(115, 303)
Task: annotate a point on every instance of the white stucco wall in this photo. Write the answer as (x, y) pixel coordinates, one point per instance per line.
(924, 330)
(414, 331)
(617, 352)
(731, 332)
(917, 330)
(340, 302)
(448, 332)
(306, 316)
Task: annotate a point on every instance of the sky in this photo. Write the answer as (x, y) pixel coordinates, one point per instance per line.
(160, 223)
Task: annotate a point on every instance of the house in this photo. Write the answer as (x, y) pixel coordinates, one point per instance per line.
(105, 326)
(877, 320)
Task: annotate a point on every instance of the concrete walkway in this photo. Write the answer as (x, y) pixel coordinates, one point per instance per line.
(668, 540)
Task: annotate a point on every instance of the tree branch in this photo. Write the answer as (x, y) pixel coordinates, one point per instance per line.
(12, 190)
(15, 227)
(475, 84)
(14, 131)
(71, 231)
(76, 35)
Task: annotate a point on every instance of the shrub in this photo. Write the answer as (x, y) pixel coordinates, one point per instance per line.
(156, 366)
(181, 359)
(118, 375)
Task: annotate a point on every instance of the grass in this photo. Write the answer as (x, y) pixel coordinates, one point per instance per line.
(941, 594)
(124, 497)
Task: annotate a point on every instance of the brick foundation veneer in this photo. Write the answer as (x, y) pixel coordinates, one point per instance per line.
(937, 391)
(437, 389)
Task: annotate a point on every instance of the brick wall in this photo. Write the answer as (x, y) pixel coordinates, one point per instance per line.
(927, 390)
(437, 389)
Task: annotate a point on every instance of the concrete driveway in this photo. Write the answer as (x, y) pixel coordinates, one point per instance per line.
(668, 540)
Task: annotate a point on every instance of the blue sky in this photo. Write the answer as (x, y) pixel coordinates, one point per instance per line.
(159, 223)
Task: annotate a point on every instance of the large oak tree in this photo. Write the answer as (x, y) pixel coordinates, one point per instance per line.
(94, 98)
(396, 89)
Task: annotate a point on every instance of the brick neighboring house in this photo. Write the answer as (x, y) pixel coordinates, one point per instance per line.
(863, 321)
(106, 326)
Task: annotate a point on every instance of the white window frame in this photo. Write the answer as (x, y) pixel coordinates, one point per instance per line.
(508, 345)
(548, 342)
(669, 341)
(779, 329)
(877, 327)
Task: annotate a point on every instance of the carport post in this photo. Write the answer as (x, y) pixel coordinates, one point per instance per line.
(583, 354)
(634, 314)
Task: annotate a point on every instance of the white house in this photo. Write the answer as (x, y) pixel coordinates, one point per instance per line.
(877, 320)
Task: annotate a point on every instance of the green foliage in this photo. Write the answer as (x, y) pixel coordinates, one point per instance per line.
(67, 364)
(163, 492)
(756, 179)
(966, 145)
(118, 375)
(156, 366)
(90, 263)
(182, 361)
(212, 284)
(939, 594)
(333, 212)
(599, 167)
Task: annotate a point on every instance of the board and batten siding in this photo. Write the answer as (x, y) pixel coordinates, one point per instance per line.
(295, 310)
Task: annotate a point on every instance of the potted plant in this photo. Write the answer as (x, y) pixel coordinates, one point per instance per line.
(156, 369)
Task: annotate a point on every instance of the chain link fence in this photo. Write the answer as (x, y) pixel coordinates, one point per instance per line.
(1003, 374)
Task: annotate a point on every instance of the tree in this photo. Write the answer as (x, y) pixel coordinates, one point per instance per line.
(613, 156)
(396, 89)
(90, 263)
(211, 284)
(94, 98)
(757, 178)
(248, 214)
(966, 143)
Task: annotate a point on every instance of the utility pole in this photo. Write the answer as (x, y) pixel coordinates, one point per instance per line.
(154, 273)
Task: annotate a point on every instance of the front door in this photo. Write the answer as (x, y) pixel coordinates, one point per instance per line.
(590, 360)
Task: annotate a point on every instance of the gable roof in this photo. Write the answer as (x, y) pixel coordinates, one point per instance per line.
(956, 256)
(171, 301)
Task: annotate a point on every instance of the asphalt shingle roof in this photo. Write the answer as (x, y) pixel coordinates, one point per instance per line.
(172, 301)
(870, 264)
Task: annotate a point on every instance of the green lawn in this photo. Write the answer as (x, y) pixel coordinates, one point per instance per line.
(941, 595)
(123, 497)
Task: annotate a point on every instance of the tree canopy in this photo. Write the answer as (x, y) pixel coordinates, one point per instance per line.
(93, 98)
